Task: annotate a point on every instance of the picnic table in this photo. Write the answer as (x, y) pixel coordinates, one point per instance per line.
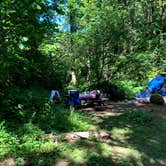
(81, 99)
(99, 101)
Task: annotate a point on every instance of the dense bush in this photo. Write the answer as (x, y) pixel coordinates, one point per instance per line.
(19, 104)
(31, 115)
(120, 90)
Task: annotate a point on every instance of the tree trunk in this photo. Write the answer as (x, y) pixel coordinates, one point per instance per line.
(73, 29)
(161, 21)
(73, 78)
(159, 55)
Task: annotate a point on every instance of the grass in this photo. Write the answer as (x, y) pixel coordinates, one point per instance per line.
(132, 142)
(137, 138)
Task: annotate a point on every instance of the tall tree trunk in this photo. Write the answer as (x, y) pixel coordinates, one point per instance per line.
(73, 29)
(161, 14)
(161, 21)
(73, 78)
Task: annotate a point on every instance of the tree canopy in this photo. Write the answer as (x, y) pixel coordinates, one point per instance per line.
(43, 42)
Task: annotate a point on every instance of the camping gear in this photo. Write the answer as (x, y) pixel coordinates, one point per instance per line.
(163, 91)
(93, 97)
(95, 94)
(155, 86)
(73, 98)
(145, 94)
(55, 96)
(156, 99)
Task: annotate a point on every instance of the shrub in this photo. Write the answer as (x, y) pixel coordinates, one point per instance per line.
(7, 140)
(120, 90)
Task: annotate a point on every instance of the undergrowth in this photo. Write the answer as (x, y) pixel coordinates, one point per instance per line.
(31, 115)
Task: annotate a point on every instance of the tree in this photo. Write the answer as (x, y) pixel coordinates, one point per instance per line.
(24, 24)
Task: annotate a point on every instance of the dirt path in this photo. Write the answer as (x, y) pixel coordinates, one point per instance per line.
(125, 106)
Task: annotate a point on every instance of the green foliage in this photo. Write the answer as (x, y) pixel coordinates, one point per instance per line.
(25, 140)
(116, 92)
(79, 122)
(23, 30)
(129, 134)
(120, 90)
(33, 106)
(116, 34)
(140, 66)
(21, 136)
(20, 105)
(7, 140)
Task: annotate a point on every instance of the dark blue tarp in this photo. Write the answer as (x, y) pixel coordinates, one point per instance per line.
(163, 91)
(144, 94)
(74, 98)
(154, 86)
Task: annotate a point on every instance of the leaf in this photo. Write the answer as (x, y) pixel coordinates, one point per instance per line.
(21, 46)
(38, 7)
(25, 39)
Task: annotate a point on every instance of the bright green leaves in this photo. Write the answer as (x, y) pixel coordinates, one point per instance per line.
(36, 6)
(21, 46)
(25, 39)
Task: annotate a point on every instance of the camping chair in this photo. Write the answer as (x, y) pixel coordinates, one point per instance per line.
(55, 96)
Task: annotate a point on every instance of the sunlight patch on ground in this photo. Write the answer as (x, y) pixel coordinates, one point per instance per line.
(125, 154)
(121, 134)
(80, 155)
(105, 150)
(62, 163)
(76, 155)
(7, 162)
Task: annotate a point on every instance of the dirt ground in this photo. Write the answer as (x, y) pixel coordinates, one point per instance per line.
(122, 106)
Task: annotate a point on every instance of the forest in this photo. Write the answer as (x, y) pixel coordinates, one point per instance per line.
(116, 45)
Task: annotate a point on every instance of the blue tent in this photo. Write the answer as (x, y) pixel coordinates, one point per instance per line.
(154, 86)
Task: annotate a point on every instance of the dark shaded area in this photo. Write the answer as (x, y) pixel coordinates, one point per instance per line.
(114, 90)
(43, 159)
